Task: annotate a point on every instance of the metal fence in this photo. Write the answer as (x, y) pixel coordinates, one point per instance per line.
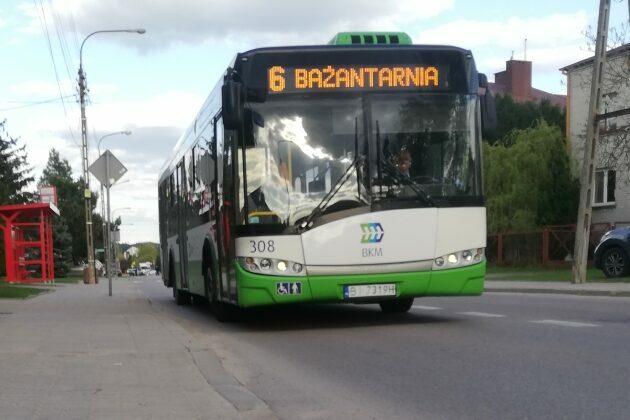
(551, 246)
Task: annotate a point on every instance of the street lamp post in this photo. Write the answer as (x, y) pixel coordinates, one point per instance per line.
(87, 194)
(106, 245)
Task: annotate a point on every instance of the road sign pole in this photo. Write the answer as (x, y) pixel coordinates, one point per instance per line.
(109, 252)
(108, 169)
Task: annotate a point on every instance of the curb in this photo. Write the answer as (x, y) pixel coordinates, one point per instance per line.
(609, 293)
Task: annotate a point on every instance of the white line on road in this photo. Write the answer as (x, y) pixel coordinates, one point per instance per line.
(426, 308)
(565, 323)
(137, 281)
(482, 314)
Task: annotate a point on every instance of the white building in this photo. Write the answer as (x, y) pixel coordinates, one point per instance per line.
(611, 197)
(132, 251)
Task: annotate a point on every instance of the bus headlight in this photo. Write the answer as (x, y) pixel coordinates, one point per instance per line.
(265, 264)
(459, 259)
(272, 266)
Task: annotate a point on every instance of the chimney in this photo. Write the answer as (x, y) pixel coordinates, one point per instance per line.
(519, 79)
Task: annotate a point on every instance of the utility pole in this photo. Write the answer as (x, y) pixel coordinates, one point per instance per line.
(91, 277)
(583, 228)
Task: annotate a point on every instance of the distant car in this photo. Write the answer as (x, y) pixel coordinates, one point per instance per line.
(612, 253)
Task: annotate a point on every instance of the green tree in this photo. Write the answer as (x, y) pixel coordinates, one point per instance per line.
(62, 247)
(522, 115)
(528, 184)
(15, 175)
(71, 203)
(146, 253)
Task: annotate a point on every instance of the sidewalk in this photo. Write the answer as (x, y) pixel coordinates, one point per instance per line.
(76, 353)
(591, 289)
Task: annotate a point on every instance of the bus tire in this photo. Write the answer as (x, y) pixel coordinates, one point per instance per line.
(224, 312)
(209, 276)
(396, 306)
(181, 297)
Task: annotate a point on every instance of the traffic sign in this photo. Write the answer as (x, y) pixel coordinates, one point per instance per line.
(100, 170)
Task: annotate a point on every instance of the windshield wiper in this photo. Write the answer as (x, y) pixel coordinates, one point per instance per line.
(307, 223)
(401, 179)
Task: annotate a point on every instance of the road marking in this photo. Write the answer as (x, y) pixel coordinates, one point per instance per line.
(427, 308)
(137, 281)
(482, 314)
(565, 323)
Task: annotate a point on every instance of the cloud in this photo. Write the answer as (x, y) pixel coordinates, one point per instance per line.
(143, 154)
(168, 108)
(553, 41)
(248, 21)
(33, 25)
(42, 89)
(547, 31)
(156, 123)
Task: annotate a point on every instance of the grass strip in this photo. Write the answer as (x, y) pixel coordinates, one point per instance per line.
(13, 291)
(543, 274)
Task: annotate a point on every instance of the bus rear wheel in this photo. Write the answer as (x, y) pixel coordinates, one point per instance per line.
(396, 306)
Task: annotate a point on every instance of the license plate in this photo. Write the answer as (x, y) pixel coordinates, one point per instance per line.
(369, 290)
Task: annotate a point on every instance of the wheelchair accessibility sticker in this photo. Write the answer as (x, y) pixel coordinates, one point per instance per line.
(289, 288)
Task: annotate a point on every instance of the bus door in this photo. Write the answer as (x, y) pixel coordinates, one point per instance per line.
(227, 210)
(182, 239)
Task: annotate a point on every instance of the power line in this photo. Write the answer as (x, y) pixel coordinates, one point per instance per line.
(44, 25)
(29, 104)
(61, 37)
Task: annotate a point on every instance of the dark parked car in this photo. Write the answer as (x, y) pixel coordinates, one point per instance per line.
(612, 253)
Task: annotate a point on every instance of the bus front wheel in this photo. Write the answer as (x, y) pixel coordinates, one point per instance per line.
(396, 306)
(225, 312)
(181, 297)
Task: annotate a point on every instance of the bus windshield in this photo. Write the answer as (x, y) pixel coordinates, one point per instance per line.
(411, 148)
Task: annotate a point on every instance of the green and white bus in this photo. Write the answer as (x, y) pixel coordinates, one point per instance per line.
(347, 172)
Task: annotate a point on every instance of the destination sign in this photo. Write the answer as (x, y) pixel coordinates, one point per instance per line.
(331, 78)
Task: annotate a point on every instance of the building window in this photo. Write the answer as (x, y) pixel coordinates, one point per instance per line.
(604, 187)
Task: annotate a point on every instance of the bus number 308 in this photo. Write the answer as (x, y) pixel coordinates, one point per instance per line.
(262, 246)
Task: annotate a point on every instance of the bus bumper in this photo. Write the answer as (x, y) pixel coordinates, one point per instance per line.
(259, 290)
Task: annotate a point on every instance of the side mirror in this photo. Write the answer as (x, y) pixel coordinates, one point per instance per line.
(488, 109)
(232, 95)
(483, 80)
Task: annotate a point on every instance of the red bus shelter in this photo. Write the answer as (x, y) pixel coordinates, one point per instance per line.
(28, 242)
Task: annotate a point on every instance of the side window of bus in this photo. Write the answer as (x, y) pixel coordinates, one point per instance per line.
(181, 184)
(162, 197)
(204, 182)
(189, 189)
(172, 208)
(228, 168)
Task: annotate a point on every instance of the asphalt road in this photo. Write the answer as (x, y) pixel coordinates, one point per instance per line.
(499, 356)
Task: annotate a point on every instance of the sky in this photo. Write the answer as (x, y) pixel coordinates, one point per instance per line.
(153, 84)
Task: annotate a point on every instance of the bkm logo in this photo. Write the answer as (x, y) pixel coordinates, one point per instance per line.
(372, 233)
